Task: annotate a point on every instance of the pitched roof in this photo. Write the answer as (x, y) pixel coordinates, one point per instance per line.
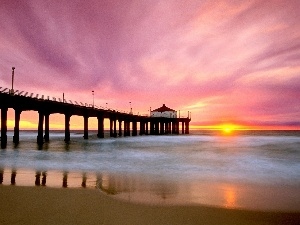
(164, 108)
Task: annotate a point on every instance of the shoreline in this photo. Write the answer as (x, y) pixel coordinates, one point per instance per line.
(146, 189)
(38, 205)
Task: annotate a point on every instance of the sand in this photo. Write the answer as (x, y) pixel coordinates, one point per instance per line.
(44, 205)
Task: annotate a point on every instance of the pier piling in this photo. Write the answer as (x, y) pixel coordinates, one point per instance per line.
(100, 126)
(120, 128)
(86, 127)
(17, 126)
(3, 127)
(115, 128)
(40, 138)
(67, 127)
(46, 136)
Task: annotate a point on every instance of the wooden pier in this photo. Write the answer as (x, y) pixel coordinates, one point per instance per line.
(127, 122)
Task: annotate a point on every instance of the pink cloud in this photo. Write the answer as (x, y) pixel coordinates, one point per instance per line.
(226, 54)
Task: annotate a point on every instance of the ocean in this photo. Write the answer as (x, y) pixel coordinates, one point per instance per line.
(244, 169)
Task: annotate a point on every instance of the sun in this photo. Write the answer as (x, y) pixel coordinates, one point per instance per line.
(228, 128)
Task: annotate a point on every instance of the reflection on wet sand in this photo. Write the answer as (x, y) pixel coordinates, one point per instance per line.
(38, 175)
(137, 189)
(13, 177)
(84, 178)
(161, 191)
(1, 176)
(128, 187)
(44, 178)
(108, 184)
(41, 178)
(65, 180)
(37, 178)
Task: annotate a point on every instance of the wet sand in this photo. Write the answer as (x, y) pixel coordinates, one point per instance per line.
(43, 205)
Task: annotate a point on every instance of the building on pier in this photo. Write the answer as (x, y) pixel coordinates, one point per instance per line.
(164, 111)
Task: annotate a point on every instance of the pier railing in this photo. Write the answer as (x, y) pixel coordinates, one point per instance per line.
(54, 99)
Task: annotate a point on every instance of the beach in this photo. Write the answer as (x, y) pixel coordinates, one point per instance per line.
(42, 205)
(202, 178)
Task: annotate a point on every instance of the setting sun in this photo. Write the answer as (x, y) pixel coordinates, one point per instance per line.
(228, 128)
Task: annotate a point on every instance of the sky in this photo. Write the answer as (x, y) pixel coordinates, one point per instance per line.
(225, 61)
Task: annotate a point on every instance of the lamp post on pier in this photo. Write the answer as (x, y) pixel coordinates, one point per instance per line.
(93, 99)
(12, 80)
(130, 108)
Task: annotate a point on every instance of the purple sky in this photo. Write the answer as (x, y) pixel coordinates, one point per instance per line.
(225, 61)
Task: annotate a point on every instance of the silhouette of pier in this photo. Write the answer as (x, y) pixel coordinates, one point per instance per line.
(45, 106)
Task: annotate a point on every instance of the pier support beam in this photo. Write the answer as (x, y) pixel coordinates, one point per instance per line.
(46, 136)
(16, 136)
(169, 128)
(176, 127)
(142, 127)
(187, 129)
(40, 136)
(115, 128)
(134, 128)
(67, 127)
(173, 127)
(100, 126)
(162, 127)
(126, 128)
(157, 128)
(120, 128)
(146, 128)
(86, 127)
(3, 127)
(166, 124)
(182, 127)
(111, 133)
(151, 128)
